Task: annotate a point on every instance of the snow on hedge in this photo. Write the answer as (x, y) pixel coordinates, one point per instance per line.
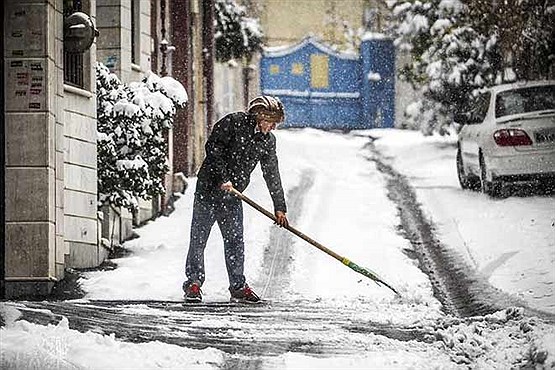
(132, 121)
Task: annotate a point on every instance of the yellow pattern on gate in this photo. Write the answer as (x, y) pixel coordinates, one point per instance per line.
(274, 69)
(297, 68)
(319, 71)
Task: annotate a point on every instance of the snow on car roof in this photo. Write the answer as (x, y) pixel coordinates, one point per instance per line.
(521, 84)
(511, 86)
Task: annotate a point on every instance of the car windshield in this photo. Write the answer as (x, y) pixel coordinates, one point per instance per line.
(524, 100)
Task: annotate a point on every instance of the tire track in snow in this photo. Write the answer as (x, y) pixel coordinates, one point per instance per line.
(462, 290)
(250, 335)
(277, 256)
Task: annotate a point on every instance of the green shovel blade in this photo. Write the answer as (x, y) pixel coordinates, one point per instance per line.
(368, 273)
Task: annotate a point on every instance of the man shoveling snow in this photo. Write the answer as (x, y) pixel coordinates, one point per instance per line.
(237, 143)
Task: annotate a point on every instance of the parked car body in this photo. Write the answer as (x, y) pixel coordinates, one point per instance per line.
(508, 136)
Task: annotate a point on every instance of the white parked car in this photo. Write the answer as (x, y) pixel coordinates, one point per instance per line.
(508, 136)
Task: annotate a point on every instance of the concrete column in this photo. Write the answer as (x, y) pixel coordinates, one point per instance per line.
(32, 60)
(182, 72)
(199, 123)
(378, 81)
(208, 17)
(2, 161)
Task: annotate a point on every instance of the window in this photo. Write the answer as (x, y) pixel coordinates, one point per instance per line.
(479, 108)
(483, 106)
(73, 62)
(135, 32)
(524, 100)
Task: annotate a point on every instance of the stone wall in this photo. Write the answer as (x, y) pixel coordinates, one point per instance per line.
(228, 88)
(35, 251)
(288, 22)
(80, 178)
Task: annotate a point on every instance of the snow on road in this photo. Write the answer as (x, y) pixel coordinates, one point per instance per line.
(511, 241)
(346, 208)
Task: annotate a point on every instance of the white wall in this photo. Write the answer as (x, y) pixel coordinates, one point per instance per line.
(228, 88)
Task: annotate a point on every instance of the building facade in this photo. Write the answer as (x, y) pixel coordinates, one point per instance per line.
(192, 63)
(50, 144)
(50, 217)
(287, 22)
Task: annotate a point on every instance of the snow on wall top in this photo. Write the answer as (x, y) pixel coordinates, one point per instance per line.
(374, 36)
(280, 51)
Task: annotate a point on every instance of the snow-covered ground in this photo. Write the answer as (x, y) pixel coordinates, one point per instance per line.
(511, 241)
(347, 209)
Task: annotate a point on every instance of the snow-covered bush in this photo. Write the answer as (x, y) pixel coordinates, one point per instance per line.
(236, 35)
(132, 121)
(458, 47)
(427, 116)
(449, 59)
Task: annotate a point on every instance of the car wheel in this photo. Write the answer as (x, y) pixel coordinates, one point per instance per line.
(466, 182)
(491, 188)
(463, 180)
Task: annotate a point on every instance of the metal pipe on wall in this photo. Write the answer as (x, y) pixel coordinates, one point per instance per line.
(180, 19)
(208, 9)
(3, 162)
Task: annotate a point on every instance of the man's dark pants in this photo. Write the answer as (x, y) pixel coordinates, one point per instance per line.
(227, 211)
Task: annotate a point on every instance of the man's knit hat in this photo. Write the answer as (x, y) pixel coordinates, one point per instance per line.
(269, 106)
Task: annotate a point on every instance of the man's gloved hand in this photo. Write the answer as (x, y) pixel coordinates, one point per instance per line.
(281, 219)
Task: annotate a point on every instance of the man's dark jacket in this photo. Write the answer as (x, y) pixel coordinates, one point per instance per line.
(233, 150)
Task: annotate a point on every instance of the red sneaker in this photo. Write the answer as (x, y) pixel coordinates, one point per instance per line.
(244, 295)
(193, 294)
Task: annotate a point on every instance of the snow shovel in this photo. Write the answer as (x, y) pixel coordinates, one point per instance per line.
(361, 270)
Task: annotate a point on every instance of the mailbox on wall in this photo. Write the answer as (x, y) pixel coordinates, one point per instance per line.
(79, 32)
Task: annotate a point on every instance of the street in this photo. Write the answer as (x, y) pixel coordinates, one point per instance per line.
(350, 193)
(376, 178)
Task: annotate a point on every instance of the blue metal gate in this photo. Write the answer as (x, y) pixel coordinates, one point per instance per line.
(324, 89)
